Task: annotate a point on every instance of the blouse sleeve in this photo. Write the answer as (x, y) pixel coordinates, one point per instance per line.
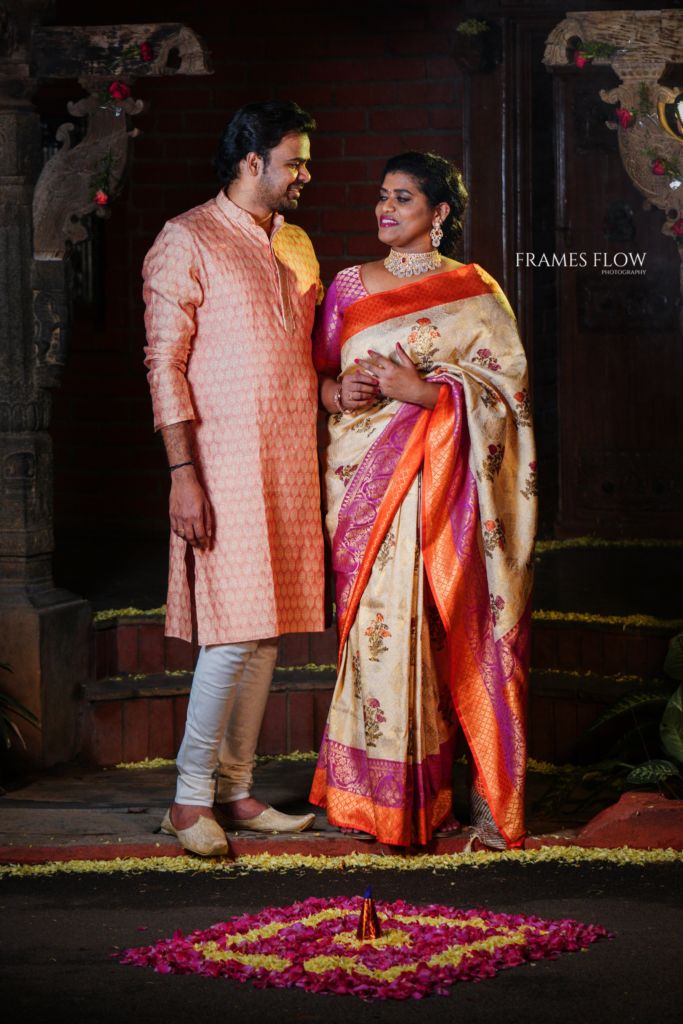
(327, 333)
(172, 293)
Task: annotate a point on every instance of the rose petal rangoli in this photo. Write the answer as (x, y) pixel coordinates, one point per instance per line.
(313, 945)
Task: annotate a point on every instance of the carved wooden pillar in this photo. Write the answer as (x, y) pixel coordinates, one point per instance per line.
(640, 46)
(44, 631)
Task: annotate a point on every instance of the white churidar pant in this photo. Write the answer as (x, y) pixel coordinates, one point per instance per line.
(227, 701)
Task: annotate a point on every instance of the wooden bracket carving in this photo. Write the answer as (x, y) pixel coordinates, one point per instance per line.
(84, 179)
(65, 192)
(646, 43)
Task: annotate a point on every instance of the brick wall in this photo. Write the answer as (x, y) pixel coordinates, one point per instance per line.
(378, 79)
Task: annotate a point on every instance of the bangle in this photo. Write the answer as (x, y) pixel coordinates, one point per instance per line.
(179, 466)
(337, 400)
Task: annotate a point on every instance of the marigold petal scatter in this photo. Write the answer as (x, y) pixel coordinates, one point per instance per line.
(313, 945)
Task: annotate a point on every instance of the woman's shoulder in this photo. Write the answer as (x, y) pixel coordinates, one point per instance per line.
(347, 276)
(348, 287)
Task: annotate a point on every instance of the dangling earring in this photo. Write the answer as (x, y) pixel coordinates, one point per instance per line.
(436, 234)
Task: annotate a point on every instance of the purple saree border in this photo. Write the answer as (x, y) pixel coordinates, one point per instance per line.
(363, 498)
(386, 783)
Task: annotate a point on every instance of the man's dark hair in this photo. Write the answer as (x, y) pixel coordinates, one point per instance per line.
(441, 182)
(258, 128)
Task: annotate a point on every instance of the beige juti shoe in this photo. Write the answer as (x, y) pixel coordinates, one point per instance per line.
(205, 837)
(269, 820)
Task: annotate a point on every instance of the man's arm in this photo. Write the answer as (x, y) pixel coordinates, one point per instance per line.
(188, 508)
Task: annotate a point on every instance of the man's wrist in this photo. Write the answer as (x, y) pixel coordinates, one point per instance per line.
(183, 472)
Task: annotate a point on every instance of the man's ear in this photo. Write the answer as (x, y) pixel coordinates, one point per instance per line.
(253, 164)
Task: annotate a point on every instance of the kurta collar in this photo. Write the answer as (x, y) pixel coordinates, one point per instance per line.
(234, 212)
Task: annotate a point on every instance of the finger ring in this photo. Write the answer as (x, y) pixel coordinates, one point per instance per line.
(181, 533)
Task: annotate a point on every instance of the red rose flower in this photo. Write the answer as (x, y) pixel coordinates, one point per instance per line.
(372, 702)
(483, 352)
(658, 167)
(532, 467)
(490, 525)
(424, 320)
(579, 59)
(101, 197)
(145, 51)
(493, 448)
(119, 91)
(677, 228)
(519, 397)
(624, 117)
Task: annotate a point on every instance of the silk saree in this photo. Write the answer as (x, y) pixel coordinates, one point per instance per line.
(431, 516)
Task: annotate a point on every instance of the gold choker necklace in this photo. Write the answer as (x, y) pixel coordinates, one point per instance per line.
(407, 264)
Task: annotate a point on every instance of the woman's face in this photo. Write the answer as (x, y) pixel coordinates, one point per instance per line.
(404, 216)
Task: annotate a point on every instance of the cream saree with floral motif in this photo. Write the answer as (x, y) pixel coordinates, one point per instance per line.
(431, 516)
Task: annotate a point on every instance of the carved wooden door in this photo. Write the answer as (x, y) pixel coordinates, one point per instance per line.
(620, 347)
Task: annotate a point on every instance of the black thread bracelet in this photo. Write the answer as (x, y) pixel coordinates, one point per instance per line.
(180, 466)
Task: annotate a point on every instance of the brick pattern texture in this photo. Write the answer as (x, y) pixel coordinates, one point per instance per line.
(378, 81)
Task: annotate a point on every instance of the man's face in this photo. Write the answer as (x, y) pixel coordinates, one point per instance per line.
(284, 176)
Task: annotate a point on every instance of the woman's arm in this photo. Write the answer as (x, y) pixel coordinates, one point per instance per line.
(401, 383)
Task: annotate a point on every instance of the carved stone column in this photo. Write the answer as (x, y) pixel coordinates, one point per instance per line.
(44, 631)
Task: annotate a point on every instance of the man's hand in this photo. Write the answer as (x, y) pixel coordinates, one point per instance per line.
(401, 383)
(188, 508)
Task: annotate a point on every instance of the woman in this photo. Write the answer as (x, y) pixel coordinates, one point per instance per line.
(430, 488)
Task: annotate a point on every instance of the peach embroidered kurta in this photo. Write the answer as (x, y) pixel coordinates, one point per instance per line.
(229, 317)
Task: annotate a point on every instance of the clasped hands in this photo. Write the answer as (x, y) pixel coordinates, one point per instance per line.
(379, 375)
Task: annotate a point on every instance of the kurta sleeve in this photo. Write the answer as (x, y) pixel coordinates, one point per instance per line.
(172, 294)
(327, 334)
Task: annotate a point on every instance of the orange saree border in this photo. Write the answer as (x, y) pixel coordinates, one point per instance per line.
(448, 583)
(462, 283)
(389, 824)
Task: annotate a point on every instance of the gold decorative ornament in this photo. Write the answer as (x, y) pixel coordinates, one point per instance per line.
(436, 234)
(412, 264)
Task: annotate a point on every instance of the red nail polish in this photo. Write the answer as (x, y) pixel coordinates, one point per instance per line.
(355, 360)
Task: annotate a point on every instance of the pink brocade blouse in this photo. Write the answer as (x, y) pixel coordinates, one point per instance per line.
(346, 289)
(229, 318)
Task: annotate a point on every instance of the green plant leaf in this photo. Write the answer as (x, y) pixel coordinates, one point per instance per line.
(651, 772)
(671, 726)
(558, 792)
(643, 739)
(673, 666)
(15, 729)
(19, 709)
(3, 728)
(642, 698)
(605, 781)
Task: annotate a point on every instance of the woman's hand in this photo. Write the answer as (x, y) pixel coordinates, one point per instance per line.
(358, 390)
(401, 383)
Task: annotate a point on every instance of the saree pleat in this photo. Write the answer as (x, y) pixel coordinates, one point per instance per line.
(431, 517)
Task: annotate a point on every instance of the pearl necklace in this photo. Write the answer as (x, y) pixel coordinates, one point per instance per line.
(407, 264)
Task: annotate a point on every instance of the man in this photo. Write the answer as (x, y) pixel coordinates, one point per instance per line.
(231, 291)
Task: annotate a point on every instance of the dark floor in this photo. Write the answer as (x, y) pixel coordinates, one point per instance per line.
(113, 572)
(58, 933)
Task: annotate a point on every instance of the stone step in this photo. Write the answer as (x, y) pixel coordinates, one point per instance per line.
(130, 718)
(136, 644)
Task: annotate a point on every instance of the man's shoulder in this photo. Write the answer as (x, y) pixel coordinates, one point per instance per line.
(294, 236)
(195, 219)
